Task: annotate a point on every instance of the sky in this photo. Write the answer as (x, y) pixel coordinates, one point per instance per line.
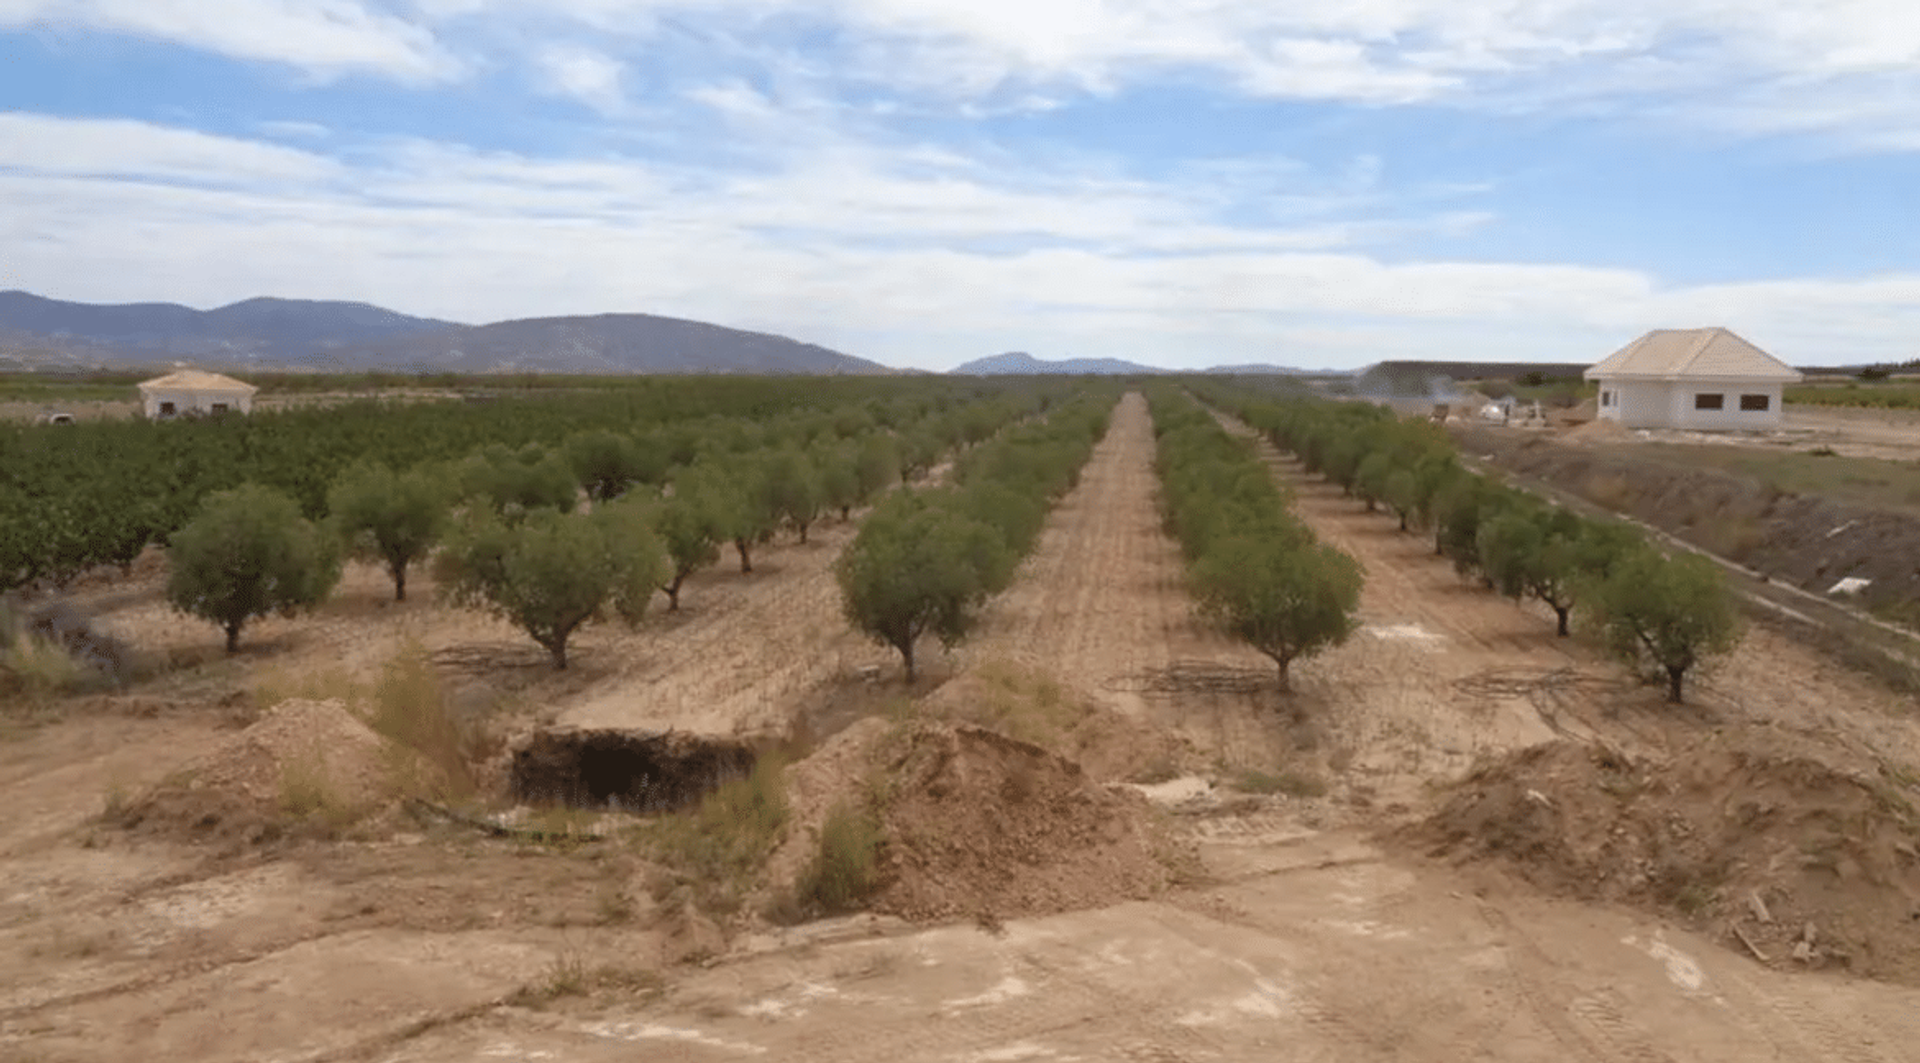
(1315, 183)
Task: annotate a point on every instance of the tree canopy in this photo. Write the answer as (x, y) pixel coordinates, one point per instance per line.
(552, 572)
(394, 518)
(247, 554)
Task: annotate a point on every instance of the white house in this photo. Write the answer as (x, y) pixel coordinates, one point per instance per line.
(1701, 379)
(191, 391)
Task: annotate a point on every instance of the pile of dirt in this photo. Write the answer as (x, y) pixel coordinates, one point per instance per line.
(980, 824)
(1598, 430)
(1031, 705)
(1800, 860)
(303, 761)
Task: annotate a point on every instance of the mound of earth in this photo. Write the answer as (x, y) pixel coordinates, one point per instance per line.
(304, 760)
(1028, 704)
(980, 824)
(1798, 858)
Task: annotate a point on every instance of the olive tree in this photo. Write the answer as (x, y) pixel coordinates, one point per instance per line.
(689, 525)
(1283, 595)
(249, 553)
(552, 572)
(606, 463)
(395, 518)
(1669, 613)
(917, 568)
(792, 486)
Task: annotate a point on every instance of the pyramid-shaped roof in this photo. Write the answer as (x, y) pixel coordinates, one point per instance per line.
(197, 380)
(1692, 354)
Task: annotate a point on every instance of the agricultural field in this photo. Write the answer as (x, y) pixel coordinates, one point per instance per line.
(1093, 827)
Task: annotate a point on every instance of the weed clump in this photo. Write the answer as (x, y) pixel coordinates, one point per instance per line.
(713, 851)
(845, 870)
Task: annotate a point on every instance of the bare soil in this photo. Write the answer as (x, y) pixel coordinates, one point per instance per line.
(1041, 793)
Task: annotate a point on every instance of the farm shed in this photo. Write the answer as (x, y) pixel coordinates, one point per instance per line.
(1700, 379)
(191, 392)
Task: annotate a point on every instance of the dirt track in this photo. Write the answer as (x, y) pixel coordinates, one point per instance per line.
(1306, 939)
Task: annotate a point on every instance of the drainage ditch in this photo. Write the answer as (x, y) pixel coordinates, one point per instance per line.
(625, 770)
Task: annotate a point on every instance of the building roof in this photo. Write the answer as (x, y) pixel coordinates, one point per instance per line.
(197, 380)
(1692, 354)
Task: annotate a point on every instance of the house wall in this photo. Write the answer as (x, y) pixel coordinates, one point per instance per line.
(185, 402)
(1730, 416)
(1636, 403)
(1669, 404)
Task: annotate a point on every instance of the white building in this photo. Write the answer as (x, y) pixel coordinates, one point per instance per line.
(1699, 379)
(192, 392)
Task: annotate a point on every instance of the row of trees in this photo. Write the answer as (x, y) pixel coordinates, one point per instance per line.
(98, 493)
(1257, 572)
(1658, 613)
(550, 538)
(926, 562)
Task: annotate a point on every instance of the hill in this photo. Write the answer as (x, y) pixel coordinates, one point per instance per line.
(606, 343)
(270, 332)
(294, 334)
(1020, 363)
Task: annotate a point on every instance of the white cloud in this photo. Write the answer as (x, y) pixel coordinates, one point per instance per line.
(1695, 60)
(143, 151)
(583, 74)
(913, 257)
(324, 38)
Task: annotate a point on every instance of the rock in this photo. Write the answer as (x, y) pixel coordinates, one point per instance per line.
(1808, 934)
(1803, 952)
(1759, 907)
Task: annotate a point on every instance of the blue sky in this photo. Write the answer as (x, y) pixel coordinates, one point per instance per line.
(921, 182)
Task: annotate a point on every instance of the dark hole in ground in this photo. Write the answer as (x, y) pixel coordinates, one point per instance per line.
(632, 771)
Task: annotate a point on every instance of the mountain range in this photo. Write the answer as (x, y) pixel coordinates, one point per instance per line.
(292, 335)
(1024, 364)
(295, 334)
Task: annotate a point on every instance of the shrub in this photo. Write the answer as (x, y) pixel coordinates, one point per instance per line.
(845, 871)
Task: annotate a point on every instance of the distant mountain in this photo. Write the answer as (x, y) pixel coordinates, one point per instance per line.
(1020, 363)
(607, 343)
(293, 334)
(273, 332)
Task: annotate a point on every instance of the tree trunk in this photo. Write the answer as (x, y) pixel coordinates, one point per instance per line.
(233, 638)
(1403, 522)
(1372, 506)
(746, 557)
(1286, 681)
(557, 649)
(673, 591)
(906, 654)
(846, 514)
(399, 571)
(1674, 675)
(1561, 611)
(803, 532)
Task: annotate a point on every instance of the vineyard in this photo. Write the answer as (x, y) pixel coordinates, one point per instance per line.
(916, 719)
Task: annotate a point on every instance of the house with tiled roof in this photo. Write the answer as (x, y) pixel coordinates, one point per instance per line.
(192, 392)
(1704, 379)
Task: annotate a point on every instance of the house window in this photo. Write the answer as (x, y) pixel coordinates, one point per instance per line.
(1756, 402)
(1606, 398)
(1708, 401)
(166, 409)
(219, 407)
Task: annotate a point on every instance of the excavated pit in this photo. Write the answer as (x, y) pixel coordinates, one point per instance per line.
(625, 770)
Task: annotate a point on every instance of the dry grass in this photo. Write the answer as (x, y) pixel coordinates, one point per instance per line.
(1290, 781)
(1021, 703)
(713, 852)
(36, 670)
(311, 800)
(844, 872)
(411, 708)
